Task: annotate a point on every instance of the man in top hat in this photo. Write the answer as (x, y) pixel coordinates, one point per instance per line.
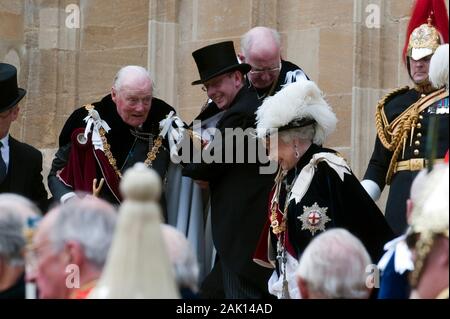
(103, 139)
(404, 117)
(238, 191)
(20, 163)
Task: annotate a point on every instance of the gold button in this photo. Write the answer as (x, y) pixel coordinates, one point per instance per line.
(419, 125)
(417, 143)
(416, 152)
(419, 135)
(420, 117)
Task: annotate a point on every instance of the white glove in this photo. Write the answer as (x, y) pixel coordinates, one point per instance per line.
(372, 189)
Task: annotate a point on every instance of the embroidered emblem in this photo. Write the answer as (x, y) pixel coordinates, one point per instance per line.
(314, 218)
(81, 139)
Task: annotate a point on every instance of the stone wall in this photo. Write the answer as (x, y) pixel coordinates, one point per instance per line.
(62, 68)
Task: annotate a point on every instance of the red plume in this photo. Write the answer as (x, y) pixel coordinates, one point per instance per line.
(423, 9)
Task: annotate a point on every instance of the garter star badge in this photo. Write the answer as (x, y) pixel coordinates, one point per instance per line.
(314, 218)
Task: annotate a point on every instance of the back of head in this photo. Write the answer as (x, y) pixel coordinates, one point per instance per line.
(16, 212)
(12, 241)
(89, 221)
(182, 257)
(430, 218)
(138, 265)
(334, 266)
(22, 205)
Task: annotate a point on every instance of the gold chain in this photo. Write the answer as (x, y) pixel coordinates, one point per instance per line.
(151, 155)
(278, 228)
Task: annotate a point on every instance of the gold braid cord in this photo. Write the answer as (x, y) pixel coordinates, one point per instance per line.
(151, 155)
(422, 249)
(394, 135)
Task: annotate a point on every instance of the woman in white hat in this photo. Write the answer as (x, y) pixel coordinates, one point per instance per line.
(314, 190)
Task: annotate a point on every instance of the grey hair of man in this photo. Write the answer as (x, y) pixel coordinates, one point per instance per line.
(128, 71)
(334, 265)
(306, 133)
(182, 258)
(12, 240)
(90, 222)
(15, 210)
(25, 207)
(253, 34)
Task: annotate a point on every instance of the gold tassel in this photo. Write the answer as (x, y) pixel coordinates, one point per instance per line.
(404, 146)
(412, 133)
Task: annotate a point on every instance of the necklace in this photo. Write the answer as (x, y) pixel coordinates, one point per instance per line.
(151, 155)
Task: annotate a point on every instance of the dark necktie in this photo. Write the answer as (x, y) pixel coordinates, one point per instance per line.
(2, 166)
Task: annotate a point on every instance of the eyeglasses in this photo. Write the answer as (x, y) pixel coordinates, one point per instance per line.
(254, 71)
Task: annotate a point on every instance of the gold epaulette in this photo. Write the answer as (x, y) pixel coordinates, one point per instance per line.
(394, 135)
(381, 122)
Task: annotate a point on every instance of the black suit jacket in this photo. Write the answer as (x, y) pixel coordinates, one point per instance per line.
(25, 173)
(238, 197)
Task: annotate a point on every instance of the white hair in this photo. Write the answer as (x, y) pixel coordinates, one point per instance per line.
(128, 70)
(334, 264)
(12, 241)
(251, 36)
(304, 133)
(88, 221)
(439, 67)
(13, 208)
(22, 205)
(182, 257)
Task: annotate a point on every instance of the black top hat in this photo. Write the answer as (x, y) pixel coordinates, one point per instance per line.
(217, 59)
(10, 93)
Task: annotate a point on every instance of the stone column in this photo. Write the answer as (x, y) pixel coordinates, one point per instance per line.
(163, 39)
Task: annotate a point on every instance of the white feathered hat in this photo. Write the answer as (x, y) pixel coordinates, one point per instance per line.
(439, 67)
(297, 105)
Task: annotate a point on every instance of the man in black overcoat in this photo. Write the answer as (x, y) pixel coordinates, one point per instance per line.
(238, 190)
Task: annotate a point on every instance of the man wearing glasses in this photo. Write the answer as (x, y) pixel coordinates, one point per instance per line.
(261, 49)
(237, 190)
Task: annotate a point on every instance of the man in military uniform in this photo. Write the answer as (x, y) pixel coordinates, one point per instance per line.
(404, 117)
(103, 139)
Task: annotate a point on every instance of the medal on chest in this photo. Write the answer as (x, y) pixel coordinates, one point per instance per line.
(314, 218)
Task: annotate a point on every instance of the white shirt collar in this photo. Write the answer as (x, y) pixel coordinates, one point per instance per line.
(5, 141)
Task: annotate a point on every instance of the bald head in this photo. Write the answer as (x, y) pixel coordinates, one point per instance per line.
(261, 49)
(132, 76)
(260, 41)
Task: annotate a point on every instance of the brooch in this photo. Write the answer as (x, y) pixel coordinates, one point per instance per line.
(314, 218)
(81, 139)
